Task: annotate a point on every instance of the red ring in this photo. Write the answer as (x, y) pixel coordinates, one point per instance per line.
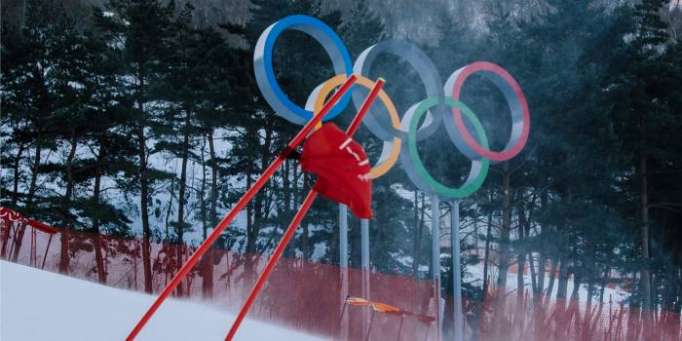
(505, 154)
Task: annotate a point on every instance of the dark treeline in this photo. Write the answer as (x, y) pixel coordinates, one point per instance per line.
(137, 118)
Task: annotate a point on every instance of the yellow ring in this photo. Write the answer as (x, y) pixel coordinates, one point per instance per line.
(391, 150)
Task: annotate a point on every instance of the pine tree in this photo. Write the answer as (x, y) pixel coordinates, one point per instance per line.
(650, 37)
(112, 153)
(34, 105)
(28, 98)
(139, 34)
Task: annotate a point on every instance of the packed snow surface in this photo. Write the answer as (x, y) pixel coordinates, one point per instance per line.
(39, 305)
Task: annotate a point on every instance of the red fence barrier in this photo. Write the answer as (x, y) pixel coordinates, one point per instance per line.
(300, 294)
(528, 318)
(309, 296)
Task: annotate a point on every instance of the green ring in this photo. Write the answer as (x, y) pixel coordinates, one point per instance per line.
(470, 185)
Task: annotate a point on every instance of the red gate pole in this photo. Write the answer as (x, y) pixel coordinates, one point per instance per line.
(33, 256)
(49, 241)
(337, 328)
(225, 222)
(5, 227)
(290, 231)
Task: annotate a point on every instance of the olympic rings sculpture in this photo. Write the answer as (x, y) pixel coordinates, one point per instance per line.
(401, 135)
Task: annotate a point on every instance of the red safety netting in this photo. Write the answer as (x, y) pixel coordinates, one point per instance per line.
(300, 294)
(310, 296)
(511, 317)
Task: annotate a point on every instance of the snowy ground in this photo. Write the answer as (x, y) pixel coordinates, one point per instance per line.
(39, 305)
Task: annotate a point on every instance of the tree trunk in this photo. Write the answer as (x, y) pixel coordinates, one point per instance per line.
(66, 221)
(262, 207)
(520, 283)
(286, 189)
(520, 260)
(563, 280)
(32, 188)
(644, 197)
(542, 262)
(99, 259)
(476, 238)
(207, 259)
(202, 195)
(17, 174)
(207, 283)
(257, 221)
(552, 276)
(169, 210)
(590, 293)
(486, 254)
(573, 306)
(213, 213)
(415, 244)
(678, 305)
(182, 189)
(524, 227)
(504, 254)
(669, 291)
(604, 282)
(144, 213)
(577, 280)
(144, 185)
(419, 223)
(251, 235)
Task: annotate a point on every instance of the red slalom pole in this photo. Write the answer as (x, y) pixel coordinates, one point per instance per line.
(250, 193)
(355, 124)
(291, 229)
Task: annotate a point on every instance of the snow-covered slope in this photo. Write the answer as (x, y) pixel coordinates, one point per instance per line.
(39, 305)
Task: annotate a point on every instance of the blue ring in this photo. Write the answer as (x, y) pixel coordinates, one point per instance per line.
(271, 90)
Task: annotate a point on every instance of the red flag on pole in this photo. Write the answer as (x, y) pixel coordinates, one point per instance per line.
(341, 166)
